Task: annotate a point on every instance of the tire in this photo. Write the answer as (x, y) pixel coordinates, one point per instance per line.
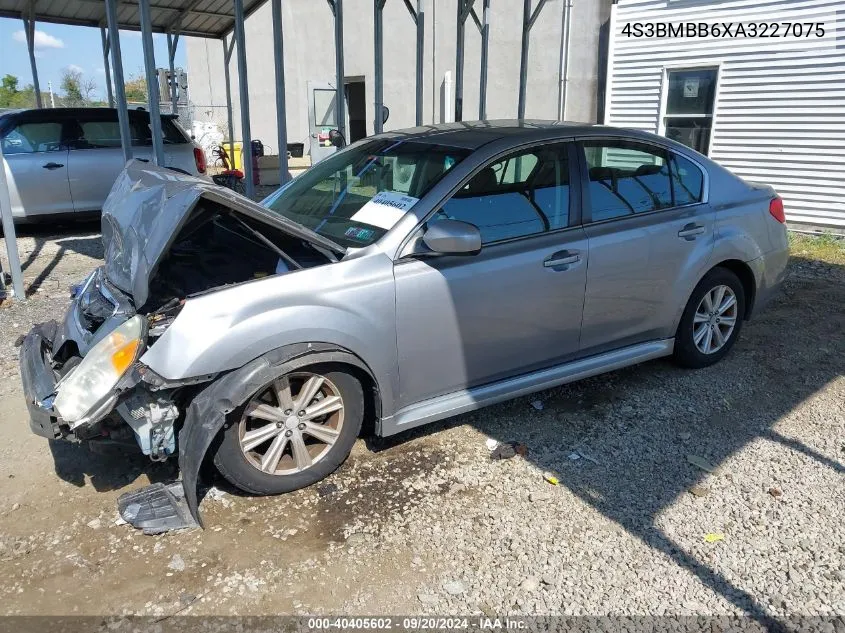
(688, 352)
(240, 460)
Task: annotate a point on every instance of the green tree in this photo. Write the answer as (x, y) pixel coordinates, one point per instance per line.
(25, 98)
(71, 85)
(13, 97)
(136, 89)
(8, 90)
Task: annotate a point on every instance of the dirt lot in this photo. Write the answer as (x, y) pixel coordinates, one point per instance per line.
(428, 523)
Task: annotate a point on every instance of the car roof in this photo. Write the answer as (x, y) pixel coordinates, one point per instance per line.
(62, 113)
(473, 134)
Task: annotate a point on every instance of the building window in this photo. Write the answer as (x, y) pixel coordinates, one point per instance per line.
(689, 107)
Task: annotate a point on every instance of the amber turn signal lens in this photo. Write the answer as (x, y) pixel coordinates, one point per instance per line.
(125, 356)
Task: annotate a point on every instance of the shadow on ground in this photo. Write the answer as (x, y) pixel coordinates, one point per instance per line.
(785, 355)
(70, 237)
(111, 469)
(789, 352)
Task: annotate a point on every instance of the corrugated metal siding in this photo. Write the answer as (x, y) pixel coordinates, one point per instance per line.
(780, 105)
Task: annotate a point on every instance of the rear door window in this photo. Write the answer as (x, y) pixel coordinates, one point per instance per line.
(98, 134)
(626, 178)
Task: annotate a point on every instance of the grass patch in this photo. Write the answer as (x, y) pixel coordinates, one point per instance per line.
(825, 247)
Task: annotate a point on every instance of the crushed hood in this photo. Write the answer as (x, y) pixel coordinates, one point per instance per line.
(147, 207)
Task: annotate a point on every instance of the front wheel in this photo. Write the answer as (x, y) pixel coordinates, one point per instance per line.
(711, 320)
(292, 432)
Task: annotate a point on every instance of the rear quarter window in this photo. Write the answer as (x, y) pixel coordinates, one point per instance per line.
(687, 181)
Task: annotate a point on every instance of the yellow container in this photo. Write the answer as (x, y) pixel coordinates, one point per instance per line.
(235, 151)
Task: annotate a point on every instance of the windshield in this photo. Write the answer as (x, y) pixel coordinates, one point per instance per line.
(355, 196)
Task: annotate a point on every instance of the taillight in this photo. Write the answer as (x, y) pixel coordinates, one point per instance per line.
(776, 209)
(199, 159)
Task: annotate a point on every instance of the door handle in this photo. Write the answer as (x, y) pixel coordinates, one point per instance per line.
(52, 166)
(690, 231)
(561, 259)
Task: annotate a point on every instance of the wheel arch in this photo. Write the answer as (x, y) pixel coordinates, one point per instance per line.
(746, 277)
(206, 415)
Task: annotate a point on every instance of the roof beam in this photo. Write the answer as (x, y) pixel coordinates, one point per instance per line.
(158, 7)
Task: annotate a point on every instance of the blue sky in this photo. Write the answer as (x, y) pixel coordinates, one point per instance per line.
(58, 47)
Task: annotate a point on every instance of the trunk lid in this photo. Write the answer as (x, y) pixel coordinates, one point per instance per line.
(147, 207)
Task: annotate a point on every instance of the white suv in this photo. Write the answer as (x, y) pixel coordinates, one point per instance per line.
(63, 161)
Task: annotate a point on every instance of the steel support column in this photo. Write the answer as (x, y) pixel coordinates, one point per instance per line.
(281, 114)
(337, 10)
(9, 233)
(528, 19)
(29, 30)
(109, 90)
(243, 98)
(378, 39)
(117, 71)
(564, 56)
(227, 57)
(172, 44)
(485, 43)
(153, 98)
(418, 16)
(465, 10)
(459, 60)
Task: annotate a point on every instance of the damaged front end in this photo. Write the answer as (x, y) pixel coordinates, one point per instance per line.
(83, 381)
(167, 238)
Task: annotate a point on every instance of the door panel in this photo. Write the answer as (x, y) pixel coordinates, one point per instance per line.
(322, 117)
(466, 321)
(92, 173)
(96, 156)
(649, 242)
(640, 275)
(36, 167)
(38, 183)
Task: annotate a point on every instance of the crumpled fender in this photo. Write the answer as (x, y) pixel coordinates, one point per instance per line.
(207, 412)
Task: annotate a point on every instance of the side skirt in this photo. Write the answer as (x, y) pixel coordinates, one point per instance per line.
(465, 400)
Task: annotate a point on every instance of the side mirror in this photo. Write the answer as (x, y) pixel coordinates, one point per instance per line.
(453, 237)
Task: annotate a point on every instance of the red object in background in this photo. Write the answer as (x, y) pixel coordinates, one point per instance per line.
(199, 159)
(776, 209)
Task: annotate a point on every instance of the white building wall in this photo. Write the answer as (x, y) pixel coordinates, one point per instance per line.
(309, 56)
(779, 115)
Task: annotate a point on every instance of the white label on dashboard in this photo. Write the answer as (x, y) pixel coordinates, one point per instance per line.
(385, 209)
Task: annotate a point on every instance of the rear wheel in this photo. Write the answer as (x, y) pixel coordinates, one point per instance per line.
(293, 432)
(711, 321)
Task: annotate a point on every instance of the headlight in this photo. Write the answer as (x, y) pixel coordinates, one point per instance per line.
(90, 382)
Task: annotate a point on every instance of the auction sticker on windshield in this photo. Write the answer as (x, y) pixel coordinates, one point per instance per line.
(385, 209)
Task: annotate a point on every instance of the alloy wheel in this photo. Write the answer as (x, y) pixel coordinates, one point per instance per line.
(715, 319)
(291, 424)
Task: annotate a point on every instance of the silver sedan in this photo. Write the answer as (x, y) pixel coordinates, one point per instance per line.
(411, 277)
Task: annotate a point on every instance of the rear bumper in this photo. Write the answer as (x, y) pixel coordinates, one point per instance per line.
(770, 272)
(39, 382)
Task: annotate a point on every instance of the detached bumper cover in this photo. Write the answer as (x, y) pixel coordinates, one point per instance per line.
(39, 382)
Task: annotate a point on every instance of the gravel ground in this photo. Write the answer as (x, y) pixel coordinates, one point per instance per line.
(427, 523)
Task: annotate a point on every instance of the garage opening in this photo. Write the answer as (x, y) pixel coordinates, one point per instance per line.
(356, 99)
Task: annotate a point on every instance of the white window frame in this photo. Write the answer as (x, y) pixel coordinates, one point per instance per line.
(664, 95)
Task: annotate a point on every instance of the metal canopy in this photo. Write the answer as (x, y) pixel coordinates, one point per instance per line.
(197, 18)
(224, 20)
